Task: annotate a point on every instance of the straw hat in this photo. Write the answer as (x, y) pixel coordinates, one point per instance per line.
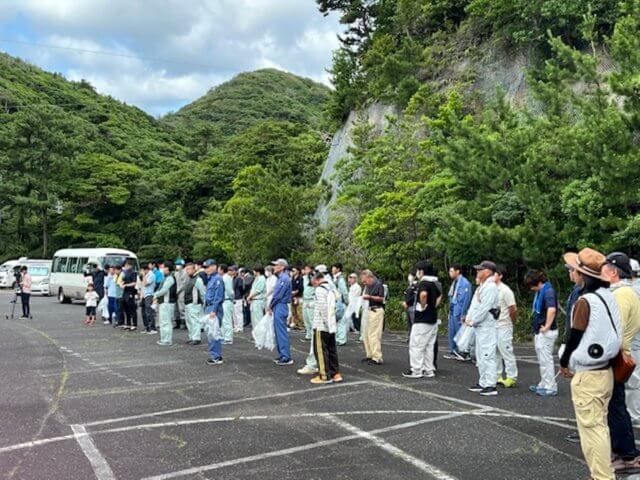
(588, 262)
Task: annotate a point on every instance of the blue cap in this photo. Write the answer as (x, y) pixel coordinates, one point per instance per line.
(209, 262)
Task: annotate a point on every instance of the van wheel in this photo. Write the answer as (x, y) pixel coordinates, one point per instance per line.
(62, 298)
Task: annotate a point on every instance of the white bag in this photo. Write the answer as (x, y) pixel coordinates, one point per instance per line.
(211, 327)
(464, 338)
(264, 334)
(103, 307)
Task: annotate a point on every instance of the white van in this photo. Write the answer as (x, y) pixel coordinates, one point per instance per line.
(6, 272)
(67, 274)
(39, 270)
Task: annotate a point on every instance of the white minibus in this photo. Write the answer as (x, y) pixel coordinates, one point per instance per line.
(67, 274)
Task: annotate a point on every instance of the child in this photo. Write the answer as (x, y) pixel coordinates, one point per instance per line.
(91, 300)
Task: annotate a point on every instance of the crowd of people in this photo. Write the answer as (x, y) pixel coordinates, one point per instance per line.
(602, 324)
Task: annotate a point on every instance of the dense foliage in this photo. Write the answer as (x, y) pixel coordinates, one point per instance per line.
(82, 169)
(457, 180)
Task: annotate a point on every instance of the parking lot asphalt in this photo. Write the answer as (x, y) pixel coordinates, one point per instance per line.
(83, 402)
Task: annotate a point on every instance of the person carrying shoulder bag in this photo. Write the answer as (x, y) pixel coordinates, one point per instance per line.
(594, 341)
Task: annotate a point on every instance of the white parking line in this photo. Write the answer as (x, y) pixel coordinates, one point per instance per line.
(225, 402)
(393, 450)
(99, 464)
(300, 448)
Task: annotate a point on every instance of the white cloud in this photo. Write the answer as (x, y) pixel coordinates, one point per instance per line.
(168, 50)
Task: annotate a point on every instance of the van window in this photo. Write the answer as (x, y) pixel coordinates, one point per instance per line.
(63, 265)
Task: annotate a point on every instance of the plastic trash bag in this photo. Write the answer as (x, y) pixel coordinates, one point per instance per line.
(464, 338)
(211, 327)
(264, 334)
(103, 307)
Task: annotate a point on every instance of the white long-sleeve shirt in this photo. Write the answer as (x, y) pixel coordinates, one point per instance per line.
(324, 311)
(486, 297)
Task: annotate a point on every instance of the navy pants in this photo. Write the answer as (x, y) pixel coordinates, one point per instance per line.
(280, 314)
(623, 442)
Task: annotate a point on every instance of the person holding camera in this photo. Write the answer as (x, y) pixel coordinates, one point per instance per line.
(25, 292)
(482, 315)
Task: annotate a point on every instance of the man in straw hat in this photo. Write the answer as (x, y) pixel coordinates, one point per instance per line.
(594, 341)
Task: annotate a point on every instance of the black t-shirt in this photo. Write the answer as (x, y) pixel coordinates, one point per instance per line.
(129, 276)
(430, 314)
(296, 286)
(238, 288)
(376, 290)
(410, 294)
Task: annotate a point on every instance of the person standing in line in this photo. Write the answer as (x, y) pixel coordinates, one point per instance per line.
(238, 299)
(633, 385)
(159, 273)
(311, 364)
(256, 298)
(119, 297)
(342, 302)
(110, 287)
(460, 294)
(617, 269)
(355, 299)
(324, 333)
(271, 281)
(214, 299)
(91, 300)
(148, 288)
(595, 339)
(194, 295)
(180, 277)
(97, 277)
(167, 297)
(374, 296)
(545, 329)
(25, 292)
(409, 303)
(278, 306)
(308, 298)
(504, 329)
(297, 287)
(227, 306)
(482, 315)
(247, 283)
(424, 329)
(129, 282)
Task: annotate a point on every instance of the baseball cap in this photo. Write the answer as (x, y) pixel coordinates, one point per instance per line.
(635, 266)
(321, 268)
(620, 260)
(281, 261)
(486, 265)
(179, 261)
(209, 262)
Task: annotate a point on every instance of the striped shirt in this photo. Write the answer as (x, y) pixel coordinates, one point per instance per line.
(324, 312)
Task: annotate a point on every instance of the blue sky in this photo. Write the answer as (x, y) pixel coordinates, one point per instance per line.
(161, 54)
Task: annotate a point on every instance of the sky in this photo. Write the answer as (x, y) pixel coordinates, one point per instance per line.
(162, 54)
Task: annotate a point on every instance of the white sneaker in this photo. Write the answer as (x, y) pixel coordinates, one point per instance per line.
(306, 370)
(429, 374)
(152, 332)
(106, 322)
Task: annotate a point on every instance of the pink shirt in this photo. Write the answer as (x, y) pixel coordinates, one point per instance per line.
(26, 283)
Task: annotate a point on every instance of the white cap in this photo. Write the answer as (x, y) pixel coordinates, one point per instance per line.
(321, 268)
(635, 266)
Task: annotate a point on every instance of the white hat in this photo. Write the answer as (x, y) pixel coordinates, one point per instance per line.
(321, 268)
(635, 266)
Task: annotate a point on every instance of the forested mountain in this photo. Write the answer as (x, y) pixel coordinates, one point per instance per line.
(78, 168)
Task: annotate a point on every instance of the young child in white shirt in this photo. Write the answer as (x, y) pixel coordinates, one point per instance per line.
(91, 300)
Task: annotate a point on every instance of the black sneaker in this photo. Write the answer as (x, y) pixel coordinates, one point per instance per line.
(189, 342)
(282, 363)
(374, 362)
(489, 391)
(196, 342)
(475, 389)
(365, 360)
(215, 361)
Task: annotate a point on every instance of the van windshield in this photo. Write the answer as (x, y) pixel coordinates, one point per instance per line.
(38, 270)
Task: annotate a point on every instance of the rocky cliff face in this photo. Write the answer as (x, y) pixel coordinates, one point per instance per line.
(376, 115)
